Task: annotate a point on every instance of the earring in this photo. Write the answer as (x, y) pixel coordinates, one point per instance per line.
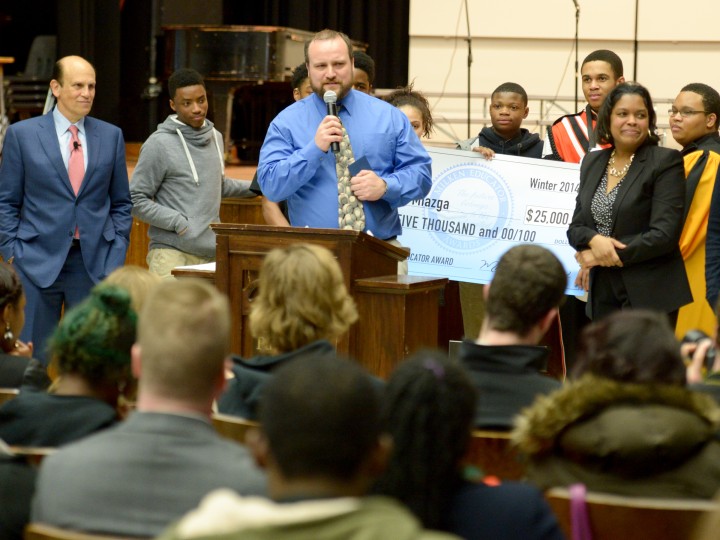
(8, 339)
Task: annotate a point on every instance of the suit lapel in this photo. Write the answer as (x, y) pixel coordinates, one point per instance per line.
(93, 149)
(51, 147)
(595, 174)
(632, 175)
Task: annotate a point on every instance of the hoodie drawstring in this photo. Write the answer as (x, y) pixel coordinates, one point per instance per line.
(192, 163)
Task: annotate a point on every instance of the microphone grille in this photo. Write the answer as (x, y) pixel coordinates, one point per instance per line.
(330, 97)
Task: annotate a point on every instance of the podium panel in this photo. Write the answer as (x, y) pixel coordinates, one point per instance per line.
(398, 314)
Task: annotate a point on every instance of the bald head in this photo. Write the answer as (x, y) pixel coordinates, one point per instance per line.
(73, 85)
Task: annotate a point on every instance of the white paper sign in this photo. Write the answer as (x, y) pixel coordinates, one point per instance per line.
(478, 209)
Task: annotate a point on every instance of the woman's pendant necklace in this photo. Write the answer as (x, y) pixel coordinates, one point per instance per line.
(622, 172)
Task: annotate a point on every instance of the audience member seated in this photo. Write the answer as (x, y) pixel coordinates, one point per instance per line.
(508, 108)
(627, 424)
(301, 308)
(505, 363)
(139, 282)
(322, 446)
(428, 410)
(17, 484)
(703, 361)
(90, 351)
(138, 477)
(136, 280)
(17, 366)
(415, 106)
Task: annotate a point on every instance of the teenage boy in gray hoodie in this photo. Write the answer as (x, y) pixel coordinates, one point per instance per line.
(180, 178)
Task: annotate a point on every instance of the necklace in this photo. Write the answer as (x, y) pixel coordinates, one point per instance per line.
(622, 172)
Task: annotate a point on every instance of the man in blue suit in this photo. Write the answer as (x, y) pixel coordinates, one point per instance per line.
(63, 236)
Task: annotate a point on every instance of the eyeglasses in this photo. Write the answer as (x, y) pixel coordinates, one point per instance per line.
(685, 113)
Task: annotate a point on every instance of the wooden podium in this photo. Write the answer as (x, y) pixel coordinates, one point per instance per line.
(398, 314)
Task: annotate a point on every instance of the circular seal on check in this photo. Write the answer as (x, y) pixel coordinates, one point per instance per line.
(479, 204)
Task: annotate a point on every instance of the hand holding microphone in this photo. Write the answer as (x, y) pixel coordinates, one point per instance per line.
(330, 99)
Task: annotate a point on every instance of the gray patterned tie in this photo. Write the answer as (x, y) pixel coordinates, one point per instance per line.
(350, 209)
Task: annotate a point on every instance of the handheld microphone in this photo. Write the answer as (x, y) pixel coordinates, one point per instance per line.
(330, 99)
(76, 145)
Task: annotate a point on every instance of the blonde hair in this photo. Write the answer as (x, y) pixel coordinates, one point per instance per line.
(138, 281)
(302, 298)
(184, 338)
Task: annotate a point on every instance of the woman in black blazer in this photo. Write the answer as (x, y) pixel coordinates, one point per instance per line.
(629, 213)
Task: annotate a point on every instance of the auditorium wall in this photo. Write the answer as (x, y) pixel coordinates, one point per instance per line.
(531, 42)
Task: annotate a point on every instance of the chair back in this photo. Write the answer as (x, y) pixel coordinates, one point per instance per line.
(233, 427)
(32, 454)
(6, 394)
(39, 531)
(614, 517)
(41, 57)
(493, 453)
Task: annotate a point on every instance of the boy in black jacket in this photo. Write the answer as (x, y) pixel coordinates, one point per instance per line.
(508, 108)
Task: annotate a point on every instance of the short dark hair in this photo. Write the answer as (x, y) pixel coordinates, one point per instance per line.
(710, 98)
(365, 62)
(428, 410)
(624, 89)
(529, 281)
(299, 75)
(513, 88)
(184, 77)
(633, 346)
(604, 55)
(321, 417)
(328, 34)
(406, 95)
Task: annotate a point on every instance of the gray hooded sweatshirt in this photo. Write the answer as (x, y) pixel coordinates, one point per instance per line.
(177, 186)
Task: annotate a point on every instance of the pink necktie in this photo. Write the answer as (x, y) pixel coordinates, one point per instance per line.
(76, 163)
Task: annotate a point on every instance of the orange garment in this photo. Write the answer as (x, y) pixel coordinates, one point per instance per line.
(699, 314)
(569, 137)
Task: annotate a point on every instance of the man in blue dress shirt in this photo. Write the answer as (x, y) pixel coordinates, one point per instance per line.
(296, 164)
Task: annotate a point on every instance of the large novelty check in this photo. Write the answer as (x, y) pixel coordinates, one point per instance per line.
(478, 209)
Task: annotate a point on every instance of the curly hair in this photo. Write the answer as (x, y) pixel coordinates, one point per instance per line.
(302, 298)
(94, 338)
(428, 410)
(138, 281)
(406, 95)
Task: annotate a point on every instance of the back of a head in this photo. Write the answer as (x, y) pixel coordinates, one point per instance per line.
(302, 298)
(634, 346)
(11, 289)
(428, 409)
(321, 417)
(604, 55)
(138, 281)
(93, 340)
(529, 281)
(184, 338)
